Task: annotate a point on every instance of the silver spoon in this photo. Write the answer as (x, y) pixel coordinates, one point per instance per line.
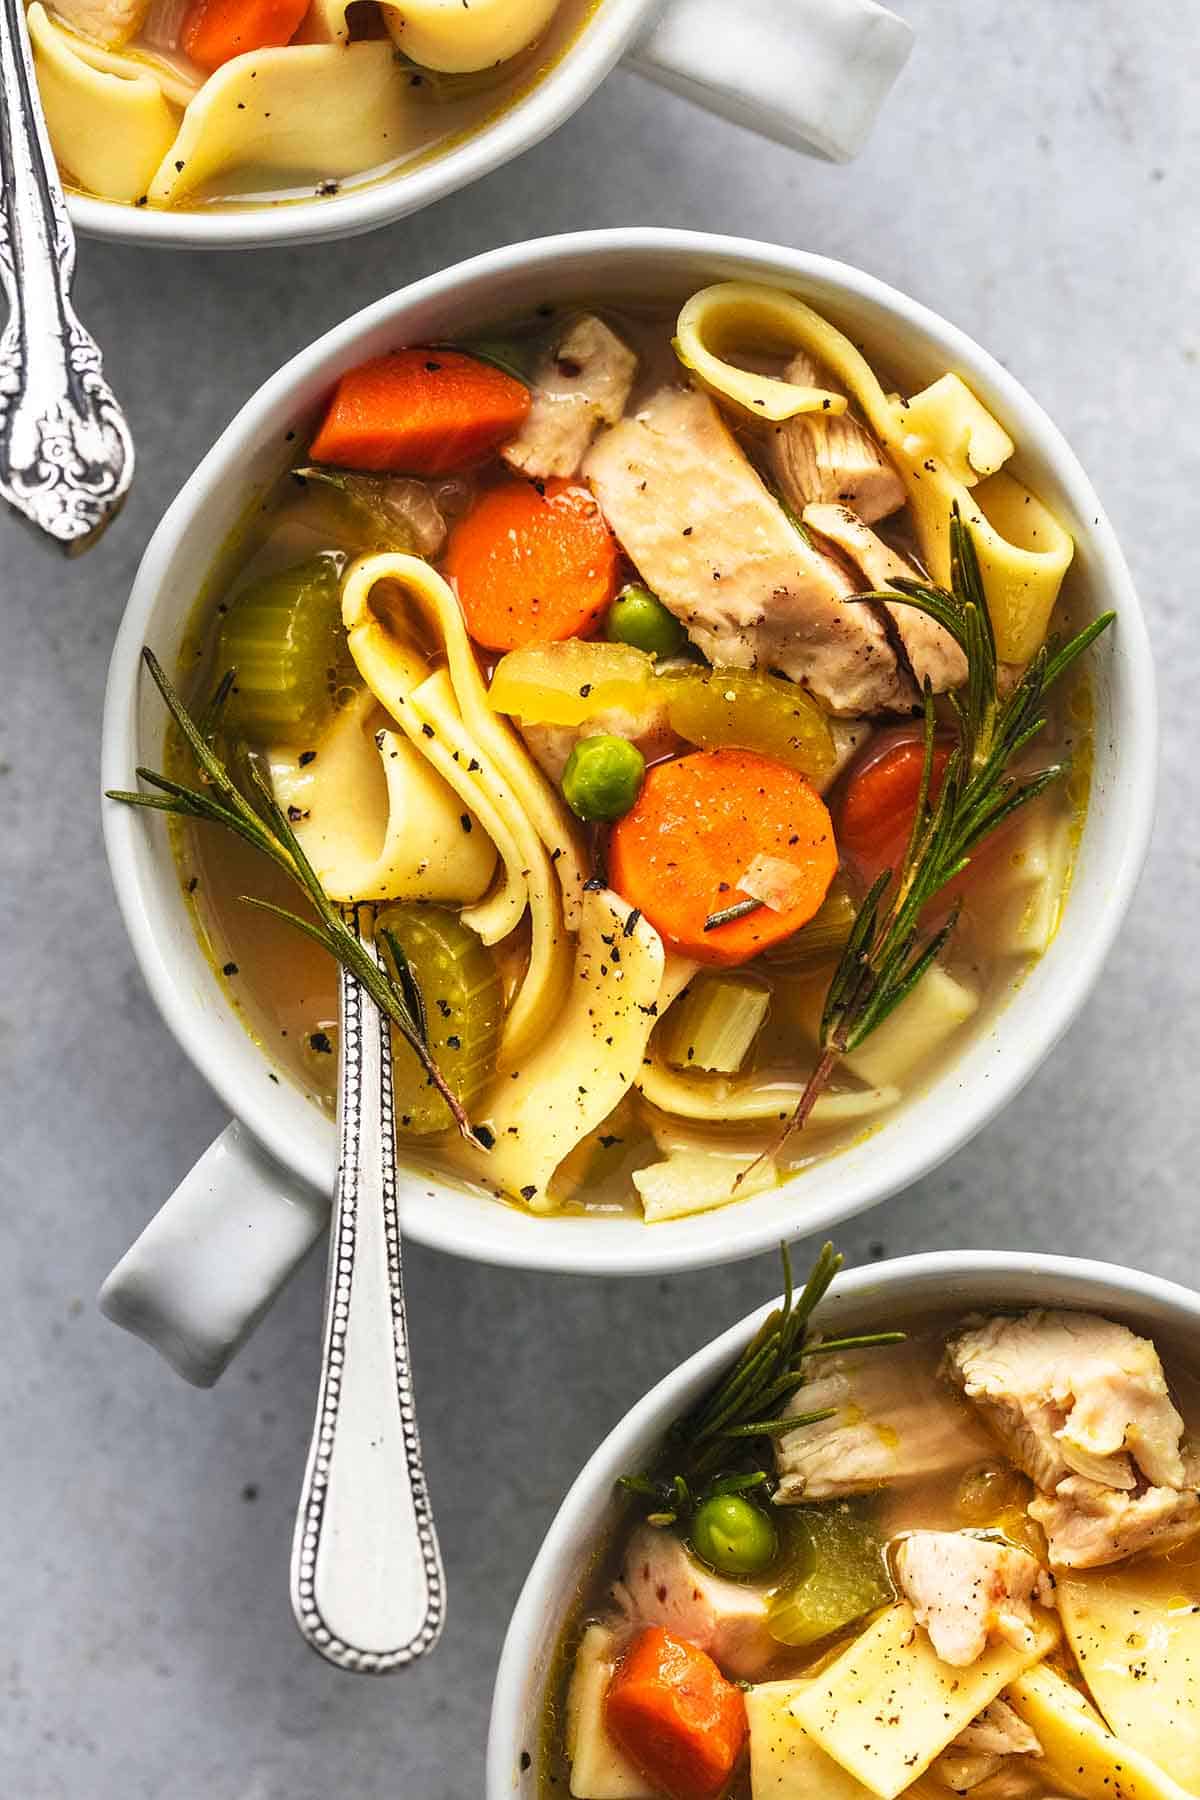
(368, 1589)
(66, 459)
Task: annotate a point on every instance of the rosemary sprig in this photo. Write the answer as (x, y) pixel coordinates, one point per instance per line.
(748, 1404)
(887, 953)
(266, 827)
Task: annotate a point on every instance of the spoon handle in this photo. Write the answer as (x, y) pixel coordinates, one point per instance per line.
(368, 1589)
(66, 459)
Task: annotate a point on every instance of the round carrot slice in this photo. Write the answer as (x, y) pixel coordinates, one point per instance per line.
(702, 822)
(533, 562)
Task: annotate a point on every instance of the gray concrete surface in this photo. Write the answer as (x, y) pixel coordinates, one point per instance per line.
(1034, 179)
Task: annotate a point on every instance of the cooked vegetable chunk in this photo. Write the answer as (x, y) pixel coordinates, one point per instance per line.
(283, 639)
(734, 1536)
(600, 1769)
(639, 618)
(708, 538)
(842, 1574)
(675, 1716)
(582, 384)
(532, 562)
(698, 822)
(464, 1007)
(603, 777)
(419, 412)
(215, 31)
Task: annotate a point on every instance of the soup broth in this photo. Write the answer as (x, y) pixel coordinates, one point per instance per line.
(546, 560)
(222, 103)
(867, 1605)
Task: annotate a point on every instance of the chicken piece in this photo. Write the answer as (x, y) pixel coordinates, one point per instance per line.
(108, 22)
(979, 1751)
(583, 383)
(965, 1589)
(551, 745)
(820, 457)
(662, 1584)
(928, 647)
(1072, 1394)
(1088, 1525)
(710, 540)
(890, 1426)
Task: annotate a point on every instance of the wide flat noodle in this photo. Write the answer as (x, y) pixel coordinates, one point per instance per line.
(439, 606)
(375, 819)
(1023, 550)
(112, 115)
(767, 1094)
(447, 35)
(325, 110)
(584, 1065)
(394, 608)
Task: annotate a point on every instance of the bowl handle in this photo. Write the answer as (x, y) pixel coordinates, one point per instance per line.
(210, 1262)
(809, 73)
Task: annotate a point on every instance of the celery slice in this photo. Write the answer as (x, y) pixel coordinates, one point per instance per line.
(372, 512)
(714, 708)
(823, 938)
(840, 1573)
(459, 984)
(283, 637)
(715, 1022)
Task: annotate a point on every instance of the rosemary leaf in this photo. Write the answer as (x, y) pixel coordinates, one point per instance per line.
(268, 829)
(885, 955)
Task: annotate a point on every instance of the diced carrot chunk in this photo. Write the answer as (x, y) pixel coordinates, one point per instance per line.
(675, 1716)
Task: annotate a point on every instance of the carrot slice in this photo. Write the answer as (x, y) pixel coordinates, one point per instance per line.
(215, 31)
(702, 821)
(419, 412)
(878, 800)
(534, 562)
(675, 1716)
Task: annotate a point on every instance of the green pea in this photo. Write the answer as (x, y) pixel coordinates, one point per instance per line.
(732, 1536)
(603, 777)
(639, 618)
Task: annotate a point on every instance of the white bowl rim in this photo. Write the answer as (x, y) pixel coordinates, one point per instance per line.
(599, 44)
(695, 1242)
(541, 1592)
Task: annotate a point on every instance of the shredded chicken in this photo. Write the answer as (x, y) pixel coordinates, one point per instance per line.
(820, 457)
(981, 1748)
(889, 1426)
(1072, 1394)
(1088, 1525)
(661, 1584)
(583, 384)
(711, 541)
(108, 22)
(1082, 1405)
(965, 1589)
(931, 652)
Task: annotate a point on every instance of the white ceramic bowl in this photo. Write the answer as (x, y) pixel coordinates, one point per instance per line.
(813, 78)
(284, 1147)
(897, 1292)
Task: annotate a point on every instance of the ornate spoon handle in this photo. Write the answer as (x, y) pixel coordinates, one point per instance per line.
(66, 459)
(368, 1589)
